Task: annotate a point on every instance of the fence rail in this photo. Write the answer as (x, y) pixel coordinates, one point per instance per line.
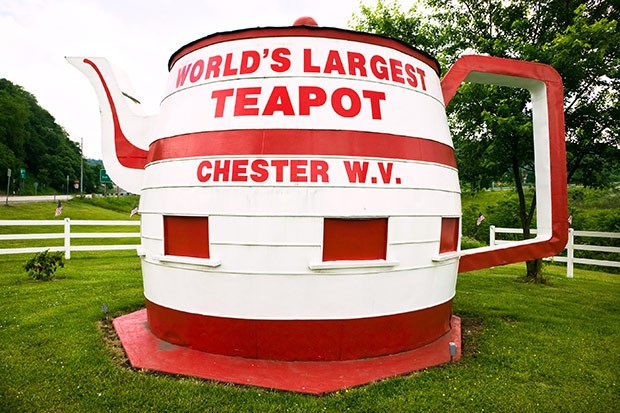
(571, 247)
(67, 235)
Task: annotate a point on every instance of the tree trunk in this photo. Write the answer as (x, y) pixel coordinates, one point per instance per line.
(534, 267)
(534, 271)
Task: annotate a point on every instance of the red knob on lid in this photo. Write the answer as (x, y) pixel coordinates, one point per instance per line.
(305, 21)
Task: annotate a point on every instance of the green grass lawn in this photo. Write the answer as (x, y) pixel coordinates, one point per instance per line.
(527, 348)
(86, 208)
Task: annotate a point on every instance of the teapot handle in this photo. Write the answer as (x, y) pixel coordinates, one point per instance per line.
(545, 87)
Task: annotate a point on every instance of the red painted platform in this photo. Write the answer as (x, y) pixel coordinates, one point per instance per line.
(146, 351)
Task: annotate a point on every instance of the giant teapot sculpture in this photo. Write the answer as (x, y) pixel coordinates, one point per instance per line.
(300, 198)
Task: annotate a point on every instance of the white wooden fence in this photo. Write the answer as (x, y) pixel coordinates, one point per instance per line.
(571, 247)
(67, 235)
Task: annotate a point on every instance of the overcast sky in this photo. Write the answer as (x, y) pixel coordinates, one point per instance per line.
(138, 36)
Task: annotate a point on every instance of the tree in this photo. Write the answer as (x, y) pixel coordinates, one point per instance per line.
(91, 175)
(13, 120)
(30, 138)
(578, 38)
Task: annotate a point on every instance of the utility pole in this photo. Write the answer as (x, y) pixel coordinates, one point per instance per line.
(8, 185)
(81, 165)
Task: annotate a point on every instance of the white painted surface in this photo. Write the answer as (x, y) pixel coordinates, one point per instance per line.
(266, 237)
(136, 126)
(282, 297)
(421, 116)
(406, 110)
(320, 48)
(321, 202)
(183, 173)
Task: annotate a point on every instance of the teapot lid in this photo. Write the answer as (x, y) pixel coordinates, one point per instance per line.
(305, 27)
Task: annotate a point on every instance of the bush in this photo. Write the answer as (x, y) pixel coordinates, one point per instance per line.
(468, 243)
(44, 264)
(500, 208)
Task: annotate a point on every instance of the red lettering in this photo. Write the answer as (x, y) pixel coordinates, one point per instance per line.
(228, 70)
(246, 97)
(250, 61)
(308, 67)
(318, 169)
(239, 170)
(260, 172)
(386, 171)
(378, 67)
(339, 108)
(282, 62)
(334, 63)
(422, 74)
(220, 96)
(411, 76)
(213, 67)
(182, 75)
(298, 170)
(196, 75)
(345, 102)
(279, 100)
(310, 96)
(203, 171)
(396, 68)
(375, 101)
(221, 170)
(356, 171)
(357, 63)
(279, 164)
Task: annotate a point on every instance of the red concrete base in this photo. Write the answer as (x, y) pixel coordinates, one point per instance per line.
(315, 377)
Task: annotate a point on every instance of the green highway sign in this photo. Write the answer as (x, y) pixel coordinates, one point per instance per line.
(103, 177)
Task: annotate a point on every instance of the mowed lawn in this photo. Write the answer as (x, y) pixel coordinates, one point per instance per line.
(527, 348)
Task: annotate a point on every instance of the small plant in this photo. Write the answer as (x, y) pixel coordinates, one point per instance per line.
(469, 242)
(44, 264)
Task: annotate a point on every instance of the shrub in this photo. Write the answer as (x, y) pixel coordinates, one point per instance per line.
(468, 243)
(44, 264)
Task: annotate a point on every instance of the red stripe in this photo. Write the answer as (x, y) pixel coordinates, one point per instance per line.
(304, 31)
(146, 351)
(128, 155)
(311, 340)
(301, 142)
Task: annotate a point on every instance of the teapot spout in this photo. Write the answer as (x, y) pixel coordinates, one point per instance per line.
(124, 158)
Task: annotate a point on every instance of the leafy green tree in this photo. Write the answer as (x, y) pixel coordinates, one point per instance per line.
(13, 120)
(30, 138)
(91, 175)
(580, 39)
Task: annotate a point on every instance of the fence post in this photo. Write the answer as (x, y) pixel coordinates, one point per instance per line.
(67, 238)
(492, 235)
(570, 253)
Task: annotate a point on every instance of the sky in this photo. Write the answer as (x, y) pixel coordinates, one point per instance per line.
(137, 36)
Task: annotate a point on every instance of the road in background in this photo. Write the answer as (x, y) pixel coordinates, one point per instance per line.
(38, 198)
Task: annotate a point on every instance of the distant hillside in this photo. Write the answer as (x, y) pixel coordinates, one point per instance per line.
(30, 139)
